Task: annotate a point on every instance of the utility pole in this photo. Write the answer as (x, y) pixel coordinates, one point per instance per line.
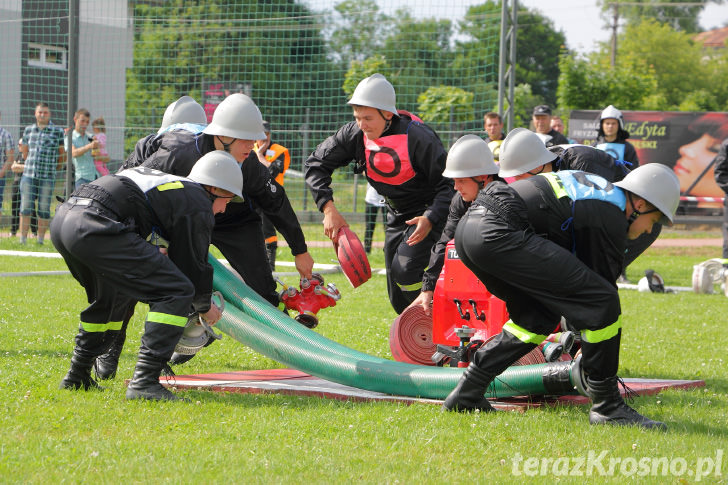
(650, 4)
(615, 20)
(507, 62)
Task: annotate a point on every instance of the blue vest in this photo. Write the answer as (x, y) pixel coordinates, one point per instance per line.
(616, 150)
(191, 127)
(579, 185)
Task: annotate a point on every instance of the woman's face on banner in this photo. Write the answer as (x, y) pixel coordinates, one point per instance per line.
(694, 157)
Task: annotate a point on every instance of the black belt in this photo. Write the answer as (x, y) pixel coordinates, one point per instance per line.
(82, 201)
(414, 208)
(87, 202)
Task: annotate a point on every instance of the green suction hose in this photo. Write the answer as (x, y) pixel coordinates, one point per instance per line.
(237, 293)
(254, 322)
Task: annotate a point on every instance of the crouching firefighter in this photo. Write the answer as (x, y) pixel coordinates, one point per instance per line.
(102, 230)
(552, 245)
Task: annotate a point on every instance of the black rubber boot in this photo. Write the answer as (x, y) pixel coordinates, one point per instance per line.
(270, 250)
(609, 408)
(469, 394)
(79, 376)
(106, 364)
(145, 383)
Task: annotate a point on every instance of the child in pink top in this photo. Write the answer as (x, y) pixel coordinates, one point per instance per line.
(101, 156)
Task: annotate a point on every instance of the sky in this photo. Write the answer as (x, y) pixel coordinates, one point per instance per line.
(583, 26)
(578, 19)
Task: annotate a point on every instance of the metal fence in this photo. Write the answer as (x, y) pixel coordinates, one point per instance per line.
(125, 61)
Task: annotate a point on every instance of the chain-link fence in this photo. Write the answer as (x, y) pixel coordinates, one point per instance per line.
(299, 61)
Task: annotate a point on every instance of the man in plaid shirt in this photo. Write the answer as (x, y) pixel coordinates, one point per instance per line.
(43, 149)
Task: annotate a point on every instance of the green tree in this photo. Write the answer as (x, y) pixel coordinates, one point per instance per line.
(682, 16)
(594, 85)
(444, 104)
(677, 62)
(349, 41)
(524, 101)
(478, 52)
(717, 64)
(273, 50)
(362, 69)
(538, 46)
(418, 51)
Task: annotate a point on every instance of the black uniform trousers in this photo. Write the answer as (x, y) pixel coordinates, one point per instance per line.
(405, 264)
(117, 267)
(370, 223)
(243, 246)
(269, 230)
(539, 281)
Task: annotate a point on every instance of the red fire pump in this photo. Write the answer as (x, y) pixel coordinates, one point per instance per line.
(312, 297)
(464, 315)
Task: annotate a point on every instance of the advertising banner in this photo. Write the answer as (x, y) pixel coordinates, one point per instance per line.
(687, 142)
(215, 92)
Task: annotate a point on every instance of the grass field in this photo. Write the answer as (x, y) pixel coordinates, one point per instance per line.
(53, 436)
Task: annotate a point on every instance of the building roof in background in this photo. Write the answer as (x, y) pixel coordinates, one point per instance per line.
(713, 38)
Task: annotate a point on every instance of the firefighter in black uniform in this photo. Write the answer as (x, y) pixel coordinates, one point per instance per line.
(523, 157)
(612, 138)
(470, 164)
(552, 245)
(277, 159)
(235, 126)
(238, 234)
(184, 113)
(102, 231)
(403, 160)
(721, 178)
(527, 156)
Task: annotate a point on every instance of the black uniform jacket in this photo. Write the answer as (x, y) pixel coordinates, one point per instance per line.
(428, 193)
(177, 151)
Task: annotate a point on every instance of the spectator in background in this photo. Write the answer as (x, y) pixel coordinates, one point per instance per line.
(374, 204)
(7, 157)
(541, 120)
(558, 124)
(277, 159)
(42, 149)
(612, 137)
(493, 126)
(17, 168)
(721, 178)
(83, 145)
(101, 156)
